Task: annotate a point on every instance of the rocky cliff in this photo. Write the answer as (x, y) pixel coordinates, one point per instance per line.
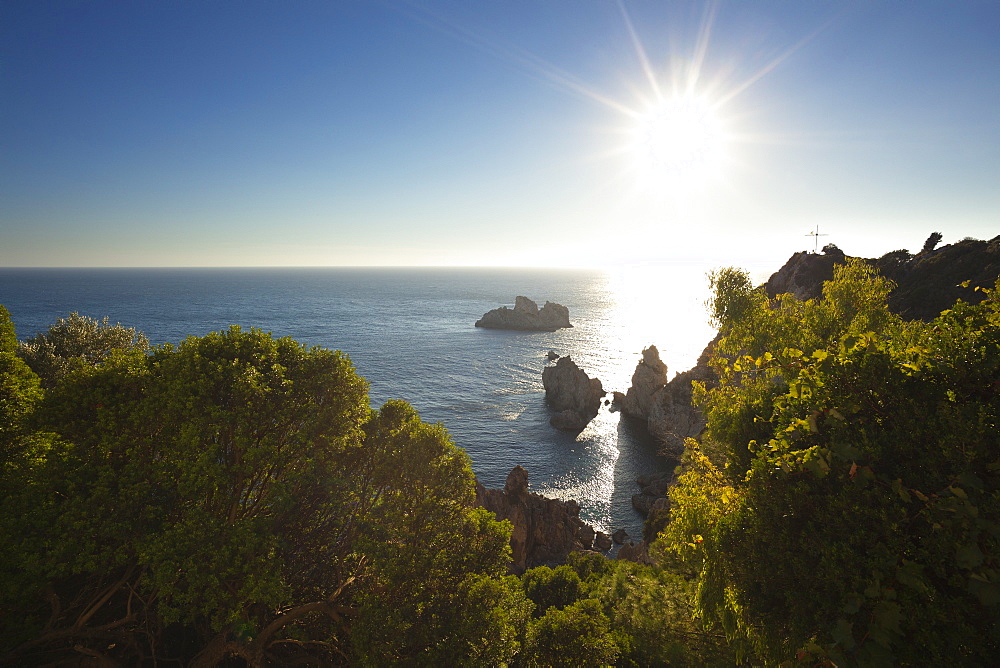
(570, 392)
(526, 316)
(545, 530)
(926, 283)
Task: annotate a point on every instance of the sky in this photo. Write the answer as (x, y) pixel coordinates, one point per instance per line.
(514, 133)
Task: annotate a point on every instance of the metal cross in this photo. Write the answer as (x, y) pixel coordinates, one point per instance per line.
(817, 235)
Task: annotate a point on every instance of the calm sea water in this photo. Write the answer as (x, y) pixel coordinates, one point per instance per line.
(410, 333)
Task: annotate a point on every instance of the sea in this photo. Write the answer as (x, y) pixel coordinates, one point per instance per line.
(410, 333)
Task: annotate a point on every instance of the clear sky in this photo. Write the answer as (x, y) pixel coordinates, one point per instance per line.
(434, 132)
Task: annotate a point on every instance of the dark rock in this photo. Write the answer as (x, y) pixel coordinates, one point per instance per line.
(650, 375)
(620, 536)
(544, 531)
(552, 355)
(803, 275)
(572, 393)
(569, 420)
(635, 552)
(526, 316)
(602, 541)
(643, 503)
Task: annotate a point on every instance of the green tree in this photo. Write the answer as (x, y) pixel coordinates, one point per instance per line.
(234, 496)
(577, 635)
(77, 340)
(858, 517)
(552, 587)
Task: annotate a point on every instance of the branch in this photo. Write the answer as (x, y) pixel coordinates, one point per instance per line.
(86, 615)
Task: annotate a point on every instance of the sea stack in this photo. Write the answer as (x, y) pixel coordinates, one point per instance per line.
(527, 317)
(572, 393)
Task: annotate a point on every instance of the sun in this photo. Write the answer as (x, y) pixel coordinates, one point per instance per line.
(676, 142)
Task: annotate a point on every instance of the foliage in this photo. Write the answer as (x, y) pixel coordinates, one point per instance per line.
(552, 588)
(857, 519)
(74, 341)
(577, 635)
(933, 240)
(612, 611)
(234, 496)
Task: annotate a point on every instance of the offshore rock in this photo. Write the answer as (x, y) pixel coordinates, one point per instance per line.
(650, 375)
(570, 392)
(526, 316)
(672, 417)
(545, 530)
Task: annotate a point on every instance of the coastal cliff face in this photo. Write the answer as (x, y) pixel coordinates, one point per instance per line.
(526, 316)
(572, 393)
(545, 530)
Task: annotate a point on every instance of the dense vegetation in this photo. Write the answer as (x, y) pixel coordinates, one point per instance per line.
(233, 500)
(843, 505)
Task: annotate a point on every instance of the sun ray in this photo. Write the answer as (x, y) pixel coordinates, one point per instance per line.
(640, 50)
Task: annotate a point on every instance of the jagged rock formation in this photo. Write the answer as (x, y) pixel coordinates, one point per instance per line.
(526, 316)
(572, 393)
(650, 376)
(545, 530)
(672, 418)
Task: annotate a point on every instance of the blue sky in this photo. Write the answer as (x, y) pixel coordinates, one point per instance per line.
(490, 133)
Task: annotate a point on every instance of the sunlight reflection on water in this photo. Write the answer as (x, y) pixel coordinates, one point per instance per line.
(644, 305)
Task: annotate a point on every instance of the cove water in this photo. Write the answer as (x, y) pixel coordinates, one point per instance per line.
(410, 332)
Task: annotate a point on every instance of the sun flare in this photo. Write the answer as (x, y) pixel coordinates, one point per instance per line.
(677, 142)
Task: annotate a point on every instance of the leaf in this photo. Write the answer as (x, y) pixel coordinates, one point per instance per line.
(897, 487)
(959, 492)
(987, 592)
(969, 556)
(970, 479)
(843, 634)
(820, 354)
(887, 615)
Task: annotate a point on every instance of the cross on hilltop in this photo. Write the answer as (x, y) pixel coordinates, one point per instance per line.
(817, 235)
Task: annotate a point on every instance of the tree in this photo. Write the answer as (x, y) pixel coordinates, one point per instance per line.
(234, 496)
(578, 635)
(933, 240)
(77, 340)
(857, 520)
